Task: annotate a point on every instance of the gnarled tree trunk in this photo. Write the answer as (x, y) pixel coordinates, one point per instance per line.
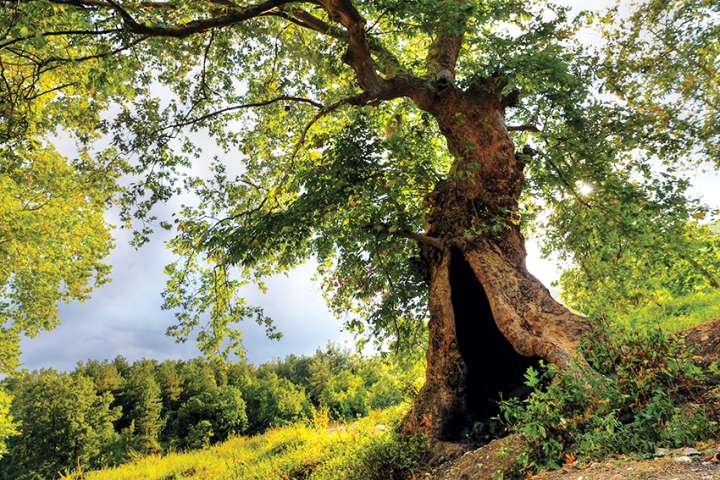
(489, 317)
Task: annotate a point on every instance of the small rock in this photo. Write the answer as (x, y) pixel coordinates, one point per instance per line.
(689, 452)
(683, 459)
(662, 452)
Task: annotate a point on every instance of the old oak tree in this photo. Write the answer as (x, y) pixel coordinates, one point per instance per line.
(406, 147)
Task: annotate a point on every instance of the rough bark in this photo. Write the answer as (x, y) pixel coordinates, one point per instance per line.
(489, 317)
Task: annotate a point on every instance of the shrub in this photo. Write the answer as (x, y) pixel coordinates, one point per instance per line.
(376, 452)
(345, 395)
(639, 391)
(274, 401)
(388, 457)
(211, 416)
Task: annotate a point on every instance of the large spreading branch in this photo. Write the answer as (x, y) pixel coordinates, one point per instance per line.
(358, 54)
(360, 47)
(350, 29)
(359, 57)
(236, 15)
(345, 24)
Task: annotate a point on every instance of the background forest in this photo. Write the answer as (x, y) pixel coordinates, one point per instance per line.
(107, 412)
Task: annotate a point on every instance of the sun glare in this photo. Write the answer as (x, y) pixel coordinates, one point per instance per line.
(584, 188)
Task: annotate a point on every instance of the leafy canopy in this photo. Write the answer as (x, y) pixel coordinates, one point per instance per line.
(663, 60)
(294, 126)
(52, 239)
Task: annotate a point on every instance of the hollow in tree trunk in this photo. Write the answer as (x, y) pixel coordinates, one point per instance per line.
(490, 318)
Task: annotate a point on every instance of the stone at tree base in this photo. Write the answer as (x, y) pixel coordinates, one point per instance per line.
(442, 453)
(497, 458)
(485, 463)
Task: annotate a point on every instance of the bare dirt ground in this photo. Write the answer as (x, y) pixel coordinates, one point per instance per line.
(495, 460)
(659, 469)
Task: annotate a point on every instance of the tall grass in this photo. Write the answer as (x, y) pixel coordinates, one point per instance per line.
(675, 313)
(366, 449)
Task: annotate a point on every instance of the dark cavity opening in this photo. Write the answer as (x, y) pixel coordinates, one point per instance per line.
(494, 368)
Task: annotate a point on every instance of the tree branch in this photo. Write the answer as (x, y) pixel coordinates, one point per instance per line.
(358, 55)
(306, 20)
(215, 113)
(105, 4)
(61, 61)
(445, 49)
(522, 128)
(62, 32)
(420, 238)
(360, 99)
(237, 15)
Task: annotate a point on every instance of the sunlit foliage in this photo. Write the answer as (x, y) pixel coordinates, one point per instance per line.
(291, 156)
(106, 413)
(52, 240)
(662, 58)
(367, 449)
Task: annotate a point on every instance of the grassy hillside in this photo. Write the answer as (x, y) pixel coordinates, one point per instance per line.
(367, 449)
(675, 313)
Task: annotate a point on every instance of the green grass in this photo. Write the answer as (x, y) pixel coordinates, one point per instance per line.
(675, 313)
(366, 449)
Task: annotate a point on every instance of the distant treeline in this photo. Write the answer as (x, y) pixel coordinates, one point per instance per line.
(104, 412)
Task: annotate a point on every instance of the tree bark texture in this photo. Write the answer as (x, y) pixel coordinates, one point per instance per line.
(489, 317)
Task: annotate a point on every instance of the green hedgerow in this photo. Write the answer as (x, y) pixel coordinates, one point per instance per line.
(640, 390)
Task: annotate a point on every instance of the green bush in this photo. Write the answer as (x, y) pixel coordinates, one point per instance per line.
(273, 401)
(376, 455)
(211, 416)
(639, 391)
(199, 435)
(345, 395)
(394, 457)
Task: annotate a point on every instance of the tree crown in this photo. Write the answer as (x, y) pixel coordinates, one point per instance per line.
(305, 130)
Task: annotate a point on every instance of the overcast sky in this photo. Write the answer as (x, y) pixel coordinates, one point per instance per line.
(124, 317)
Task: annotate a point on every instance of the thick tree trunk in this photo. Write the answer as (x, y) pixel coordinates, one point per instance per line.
(489, 317)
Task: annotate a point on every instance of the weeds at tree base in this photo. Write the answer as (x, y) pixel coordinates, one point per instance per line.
(640, 390)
